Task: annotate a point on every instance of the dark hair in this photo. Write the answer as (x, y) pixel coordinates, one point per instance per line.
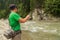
(12, 6)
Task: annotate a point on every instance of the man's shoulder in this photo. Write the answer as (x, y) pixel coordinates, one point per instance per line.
(11, 14)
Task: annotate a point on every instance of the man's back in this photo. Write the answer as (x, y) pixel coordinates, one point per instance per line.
(13, 21)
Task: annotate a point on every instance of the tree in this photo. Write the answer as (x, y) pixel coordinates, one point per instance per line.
(52, 7)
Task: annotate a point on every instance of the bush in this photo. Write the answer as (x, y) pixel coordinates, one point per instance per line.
(52, 7)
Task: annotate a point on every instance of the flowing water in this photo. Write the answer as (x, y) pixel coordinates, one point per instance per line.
(43, 30)
(35, 30)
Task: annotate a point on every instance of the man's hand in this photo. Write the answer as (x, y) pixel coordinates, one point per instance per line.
(23, 20)
(28, 16)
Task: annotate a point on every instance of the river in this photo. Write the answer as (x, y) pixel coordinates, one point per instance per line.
(35, 30)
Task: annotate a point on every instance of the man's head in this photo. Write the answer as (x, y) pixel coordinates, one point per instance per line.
(13, 7)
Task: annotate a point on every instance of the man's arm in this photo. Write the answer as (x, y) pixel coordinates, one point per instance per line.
(23, 20)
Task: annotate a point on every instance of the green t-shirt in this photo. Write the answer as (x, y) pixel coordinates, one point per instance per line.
(13, 21)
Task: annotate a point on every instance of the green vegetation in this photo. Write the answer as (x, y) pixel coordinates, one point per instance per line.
(53, 7)
(26, 6)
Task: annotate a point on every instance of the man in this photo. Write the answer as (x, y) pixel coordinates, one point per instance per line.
(15, 20)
